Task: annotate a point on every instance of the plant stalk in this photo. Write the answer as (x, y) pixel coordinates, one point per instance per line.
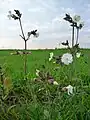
(77, 35)
(73, 35)
(25, 48)
(25, 61)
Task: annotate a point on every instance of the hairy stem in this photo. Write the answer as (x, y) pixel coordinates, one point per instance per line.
(25, 61)
(77, 35)
(25, 48)
(21, 29)
(73, 36)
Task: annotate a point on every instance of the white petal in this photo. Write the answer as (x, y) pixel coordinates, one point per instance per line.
(9, 16)
(76, 18)
(37, 72)
(37, 35)
(55, 83)
(67, 58)
(51, 54)
(50, 59)
(10, 12)
(70, 89)
(78, 55)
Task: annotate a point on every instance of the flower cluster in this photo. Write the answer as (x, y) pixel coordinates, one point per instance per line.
(77, 19)
(15, 16)
(45, 77)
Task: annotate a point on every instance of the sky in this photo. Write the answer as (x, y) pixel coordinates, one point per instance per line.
(47, 17)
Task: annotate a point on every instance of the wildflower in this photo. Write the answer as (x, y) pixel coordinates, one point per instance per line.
(51, 56)
(11, 53)
(67, 58)
(55, 83)
(64, 89)
(40, 89)
(36, 35)
(9, 15)
(37, 72)
(69, 89)
(78, 55)
(76, 18)
(50, 81)
(50, 78)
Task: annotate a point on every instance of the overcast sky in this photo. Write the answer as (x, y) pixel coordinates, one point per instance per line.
(47, 17)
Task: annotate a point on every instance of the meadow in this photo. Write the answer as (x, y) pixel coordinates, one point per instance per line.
(33, 100)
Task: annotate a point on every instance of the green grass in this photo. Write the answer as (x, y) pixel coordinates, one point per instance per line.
(53, 104)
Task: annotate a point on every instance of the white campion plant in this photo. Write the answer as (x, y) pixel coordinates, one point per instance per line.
(69, 89)
(78, 55)
(37, 72)
(55, 83)
(77, 19)
(67, 58)
(51, 56)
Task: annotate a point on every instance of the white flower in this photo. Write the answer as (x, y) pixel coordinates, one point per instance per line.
(51, 56)
(69, 89)
(41, 89)
(67, 58)
(50, 59)
(78, 55)
(10, 15)
(55, 83)
(37, 72)
(76, 18)
(36, 35)
(11, 53)
(54, 62)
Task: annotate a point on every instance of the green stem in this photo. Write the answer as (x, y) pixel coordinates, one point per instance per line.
(73, 36)
(25, 61)
(77, 35)
(25, 48)
(21, 28)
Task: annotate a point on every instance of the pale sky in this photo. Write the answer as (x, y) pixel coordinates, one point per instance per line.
(47, 17)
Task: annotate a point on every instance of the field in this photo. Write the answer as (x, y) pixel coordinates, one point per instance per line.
(49, 103)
